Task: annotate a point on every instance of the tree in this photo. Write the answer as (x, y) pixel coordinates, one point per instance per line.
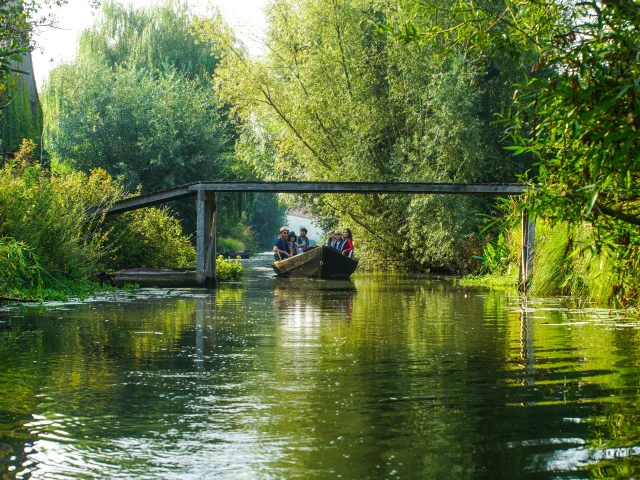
(576, 113)
(154, 129)
(335, 99)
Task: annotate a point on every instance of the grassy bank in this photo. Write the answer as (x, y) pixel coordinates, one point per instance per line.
(564, 264)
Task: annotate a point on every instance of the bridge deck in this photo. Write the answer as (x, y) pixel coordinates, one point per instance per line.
(183, 191)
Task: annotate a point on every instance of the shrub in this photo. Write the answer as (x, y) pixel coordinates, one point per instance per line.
(151, 238)
(228, 270)
(19, 267)
(48, 211)
(224, 244)
(46, 221)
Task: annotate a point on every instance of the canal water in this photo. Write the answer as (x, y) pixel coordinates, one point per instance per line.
(383, 376)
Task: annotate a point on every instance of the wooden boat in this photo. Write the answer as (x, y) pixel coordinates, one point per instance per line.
(321, 262)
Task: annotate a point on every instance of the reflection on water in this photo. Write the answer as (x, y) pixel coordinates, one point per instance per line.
(378, 377)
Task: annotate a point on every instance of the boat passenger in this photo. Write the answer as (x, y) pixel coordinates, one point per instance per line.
(281, 246)
(339, 242)
(331, 240)
(347, 248)
(293, 248)
(303, 240)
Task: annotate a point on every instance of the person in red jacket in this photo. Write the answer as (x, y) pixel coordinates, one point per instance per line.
(347, 248)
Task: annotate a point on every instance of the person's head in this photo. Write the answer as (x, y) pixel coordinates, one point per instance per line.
(284, 232)
(338, 235)
(331, 233)
(292, 236)
(303, 232)
(347, 233)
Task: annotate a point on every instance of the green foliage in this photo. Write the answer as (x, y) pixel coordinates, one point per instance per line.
(17, 121)
(14, 32)
(160, 37)
(576, 113)
(565, 265)
(19, 267)
(47, 211)
(225, 244)
(137, 102)
(228, 270)
(51, 246)
(495, 255)
(155, 129)
(149, 238)
(334, 99)
(18, 18)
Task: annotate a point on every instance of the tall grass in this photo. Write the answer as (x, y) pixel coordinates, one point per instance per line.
(563, 265)
(19, 267)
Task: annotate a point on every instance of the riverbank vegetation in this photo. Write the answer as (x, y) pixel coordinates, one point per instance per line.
(542, 93)
(52, 246)
(576, 115)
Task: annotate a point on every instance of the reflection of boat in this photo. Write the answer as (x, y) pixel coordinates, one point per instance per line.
(244, 254)
(322, 262)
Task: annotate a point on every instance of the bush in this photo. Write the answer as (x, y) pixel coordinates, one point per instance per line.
(48, 212)
(228, 270)
(150, 238)
(226, 244)
(19, 267)
(46, 227)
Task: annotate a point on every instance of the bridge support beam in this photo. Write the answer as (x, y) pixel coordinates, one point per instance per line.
(526, 252)
(206, 238)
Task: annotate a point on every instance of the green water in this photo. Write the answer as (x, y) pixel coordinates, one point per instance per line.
(379, 377)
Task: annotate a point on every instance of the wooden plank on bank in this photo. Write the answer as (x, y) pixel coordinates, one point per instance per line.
(363, 187)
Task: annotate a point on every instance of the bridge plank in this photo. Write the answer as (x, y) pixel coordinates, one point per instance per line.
(363, 187)
(184, 191)
(148, 200)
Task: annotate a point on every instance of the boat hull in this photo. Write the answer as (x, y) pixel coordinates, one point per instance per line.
(320, 262)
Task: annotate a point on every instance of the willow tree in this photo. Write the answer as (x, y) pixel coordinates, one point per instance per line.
(137, 102)
(335, 99)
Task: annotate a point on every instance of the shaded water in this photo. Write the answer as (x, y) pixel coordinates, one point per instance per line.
(379, 377)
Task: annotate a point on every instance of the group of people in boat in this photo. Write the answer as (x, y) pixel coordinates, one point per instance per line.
(289, 244)
(341, 241)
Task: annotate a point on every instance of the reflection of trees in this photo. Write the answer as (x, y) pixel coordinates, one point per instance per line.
(366, 377)
(88, 363)
(392, 378)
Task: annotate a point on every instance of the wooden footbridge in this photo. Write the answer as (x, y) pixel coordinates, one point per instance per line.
(205, 194)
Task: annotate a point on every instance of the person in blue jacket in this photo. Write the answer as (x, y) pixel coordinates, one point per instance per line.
(281, 245)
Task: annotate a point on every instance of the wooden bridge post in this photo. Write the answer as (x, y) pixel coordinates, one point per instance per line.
(206, 238)
(526, 252)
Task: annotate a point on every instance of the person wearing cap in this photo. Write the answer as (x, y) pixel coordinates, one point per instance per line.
(303, 240)
(293, 248)
(281, 246)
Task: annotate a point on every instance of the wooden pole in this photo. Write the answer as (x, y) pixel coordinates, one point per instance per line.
(526, 252)
(206, 238)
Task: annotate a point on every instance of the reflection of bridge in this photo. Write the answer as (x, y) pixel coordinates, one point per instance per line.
(205, 194)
